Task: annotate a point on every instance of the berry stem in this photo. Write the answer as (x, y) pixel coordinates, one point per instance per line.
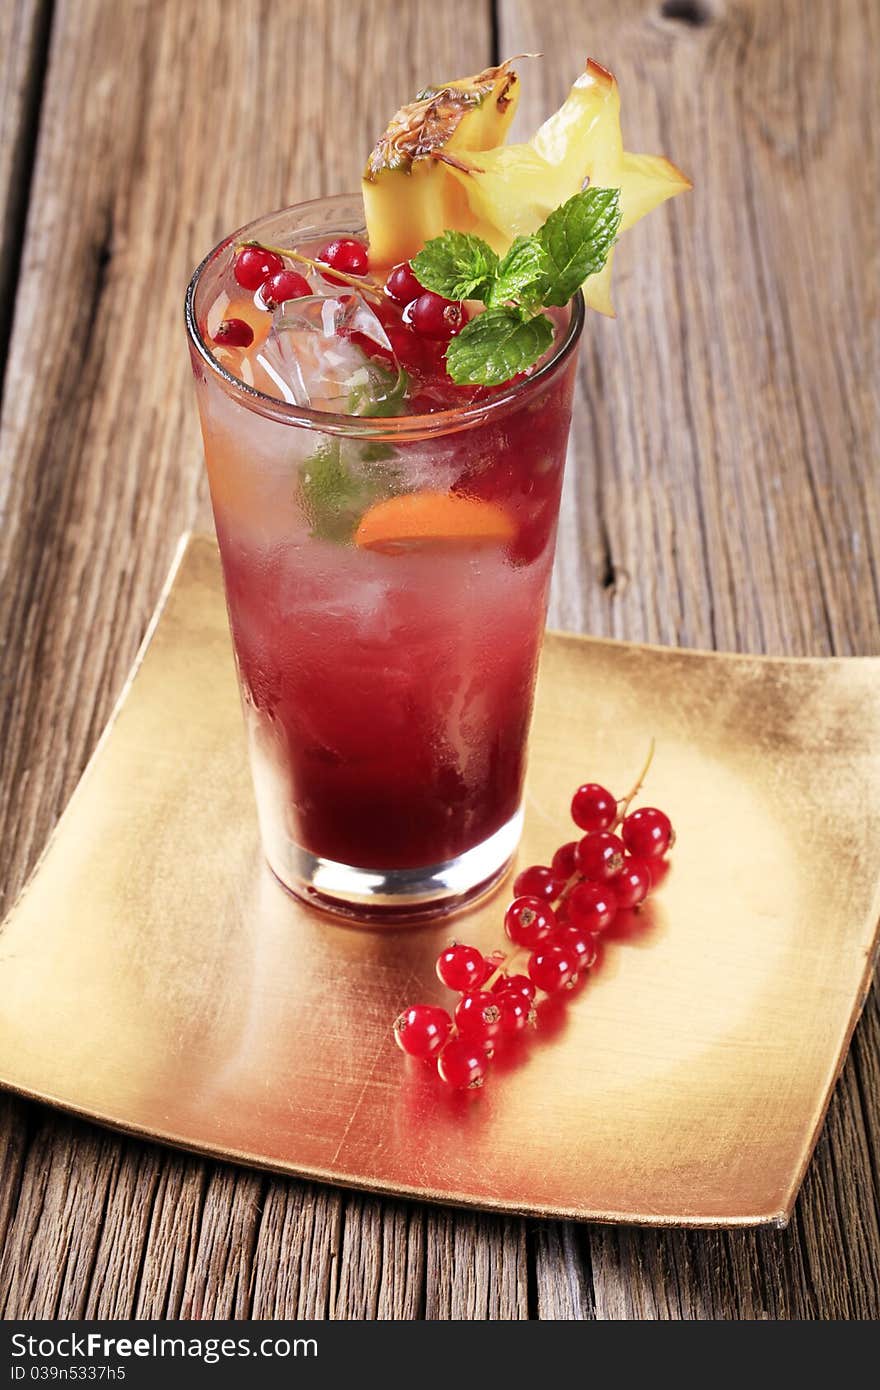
(505, 965)
(359, 282)
(633, 793)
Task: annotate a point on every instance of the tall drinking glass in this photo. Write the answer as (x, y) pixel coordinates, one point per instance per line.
(387, 692)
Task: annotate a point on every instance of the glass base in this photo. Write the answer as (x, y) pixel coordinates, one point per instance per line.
(396, 896)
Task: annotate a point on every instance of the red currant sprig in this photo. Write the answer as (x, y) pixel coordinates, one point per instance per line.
(343, 262)
(554, 923)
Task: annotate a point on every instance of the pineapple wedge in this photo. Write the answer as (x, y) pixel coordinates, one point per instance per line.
(409, 192)
(512, 189)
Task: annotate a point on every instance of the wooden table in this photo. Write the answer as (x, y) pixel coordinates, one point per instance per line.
(724, 494)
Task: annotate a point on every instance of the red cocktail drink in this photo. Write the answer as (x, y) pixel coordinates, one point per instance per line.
(386, 576)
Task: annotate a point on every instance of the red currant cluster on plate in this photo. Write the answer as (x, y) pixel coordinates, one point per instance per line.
(554, 922)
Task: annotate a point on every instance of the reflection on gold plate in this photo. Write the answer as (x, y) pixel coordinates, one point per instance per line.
(154, 976)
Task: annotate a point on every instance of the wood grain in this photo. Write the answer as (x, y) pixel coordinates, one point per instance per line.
(24, 32)
(723, 493)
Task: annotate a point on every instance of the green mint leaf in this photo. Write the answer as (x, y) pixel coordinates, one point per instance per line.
(339, 481)
(577, 238)
(544, 269)
(496, 345)
(325, 491)
(377, 391)
(522, 273)
(457, 265)
(378, 452)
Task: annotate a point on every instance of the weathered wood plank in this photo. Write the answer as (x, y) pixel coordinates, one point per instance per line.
(168, 1250)
(52, 1241)
(728, 417)
(381, 1260)
(476, 1268)
(14, 1136)
(563, 1281)
(220, 1275)
(298, 1219)
(724, 490)
(24, 32)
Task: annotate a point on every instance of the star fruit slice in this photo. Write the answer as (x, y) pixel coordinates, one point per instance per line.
(512, 189)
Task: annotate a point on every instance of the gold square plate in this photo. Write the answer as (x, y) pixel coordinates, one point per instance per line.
(154, 976)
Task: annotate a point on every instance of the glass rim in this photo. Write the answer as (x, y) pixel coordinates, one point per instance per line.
(361, 426)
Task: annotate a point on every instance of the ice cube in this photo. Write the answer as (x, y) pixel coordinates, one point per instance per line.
(358, 317)
(314, 358)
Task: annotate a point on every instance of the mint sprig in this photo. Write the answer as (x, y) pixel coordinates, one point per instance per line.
(378, 392)
(340, 480)
(465, 266)
(538, 271)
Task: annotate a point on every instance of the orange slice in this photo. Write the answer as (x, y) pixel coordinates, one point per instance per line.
(418, 519)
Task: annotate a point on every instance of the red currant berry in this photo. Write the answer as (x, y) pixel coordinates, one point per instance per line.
(633, 884)
(409, 350)
(648, 833)
(287, 284)
(600, 856)
(463, 1064)
(422, 1029)
(461, 967)
(514, 984)
(234, 333)
(658, 869)
(478, 1015)
(535, 882)
(344, 254)
(432, 316)
(402, 285)
(253, 266)
(592, 906)
(593, 808)
(551, 968)
(528, 921)
(516, 1013)
(563, 862)
(579, 942)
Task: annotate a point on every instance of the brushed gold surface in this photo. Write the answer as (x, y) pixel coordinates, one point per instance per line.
(154, 975)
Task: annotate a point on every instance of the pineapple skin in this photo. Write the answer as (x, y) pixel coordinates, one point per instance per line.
(408, 189)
